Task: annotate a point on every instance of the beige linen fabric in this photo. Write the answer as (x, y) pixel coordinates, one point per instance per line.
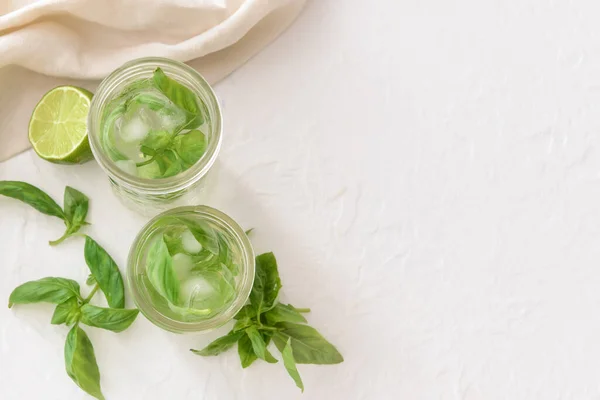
(46, 43)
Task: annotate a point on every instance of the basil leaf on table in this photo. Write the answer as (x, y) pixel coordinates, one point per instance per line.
(80, 362)
(205, 235)
(266, 283)
(76, 206)
(283, 313)
(259, 346)
(290, 364)
(106, 272)
(264, 319)
(220, 345)
(160, 271)
(112, 319)
(48, 290)
(242, 324)
(181, 96)
(33, 196)
(190, 146)
(246, 352)
(90, 280)
(80, 359)
(246, 312)
(308, 345)
(66, 312)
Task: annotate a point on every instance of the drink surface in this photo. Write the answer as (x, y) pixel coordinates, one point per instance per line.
(191, 268)
(155, 127)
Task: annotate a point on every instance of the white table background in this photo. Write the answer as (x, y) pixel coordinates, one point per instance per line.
(427, 173)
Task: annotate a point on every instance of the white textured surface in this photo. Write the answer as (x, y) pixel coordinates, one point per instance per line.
(433, 196)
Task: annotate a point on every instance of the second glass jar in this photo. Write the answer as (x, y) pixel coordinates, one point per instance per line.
(191, 269)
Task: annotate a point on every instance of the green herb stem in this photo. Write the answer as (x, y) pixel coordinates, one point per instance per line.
(302, 310)
(143, 163)
(92, 293)
(65, 236)
(268, 328)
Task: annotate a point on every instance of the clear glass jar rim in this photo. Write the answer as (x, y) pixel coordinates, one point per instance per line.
(153, 186)
(170, 324)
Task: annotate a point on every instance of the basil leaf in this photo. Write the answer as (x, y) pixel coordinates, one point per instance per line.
(156, 140)
(106, 272)
(174, 243)
(242, 324)
(308, 345)
(33, 196)
(76, 206)
(160, 272)
(205, 235)
(283, 313)
(290, 364)
(66, 312)
(111, 115)
(168, 163)
(136, 86)
(116, 320)
(245, 351)
(151, 101)
(80, 362)
(147, 151)
(267, 335)
(188, 311)
(220, 345)
(225, 255)
(90, 280)
(190, 146)
(48, 290)
(266, 283)
(181, 96)
(246, 312)
(259, 346)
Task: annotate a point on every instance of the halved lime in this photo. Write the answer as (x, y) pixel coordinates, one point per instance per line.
(58, 126)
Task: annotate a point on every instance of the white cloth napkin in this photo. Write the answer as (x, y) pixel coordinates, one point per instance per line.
(87, 39)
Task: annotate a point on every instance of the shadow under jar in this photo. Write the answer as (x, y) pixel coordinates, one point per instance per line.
(155, 128)
(191, 269)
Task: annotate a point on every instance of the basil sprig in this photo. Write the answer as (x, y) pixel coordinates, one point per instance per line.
(76, 205)
(73, 310)
(265, 319)
(177, 150)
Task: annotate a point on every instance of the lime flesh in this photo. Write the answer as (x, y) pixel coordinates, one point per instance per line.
(58, 127)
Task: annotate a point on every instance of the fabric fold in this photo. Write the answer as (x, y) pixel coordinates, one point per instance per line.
(87, 39)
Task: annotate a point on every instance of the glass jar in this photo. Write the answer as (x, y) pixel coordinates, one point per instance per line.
(150, 196)
(155, 306)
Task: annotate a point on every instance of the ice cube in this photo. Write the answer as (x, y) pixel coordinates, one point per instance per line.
(134, 130)
(189, 242)
(171, 121)
(196, 289)
(182, 264)
(127, 166)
